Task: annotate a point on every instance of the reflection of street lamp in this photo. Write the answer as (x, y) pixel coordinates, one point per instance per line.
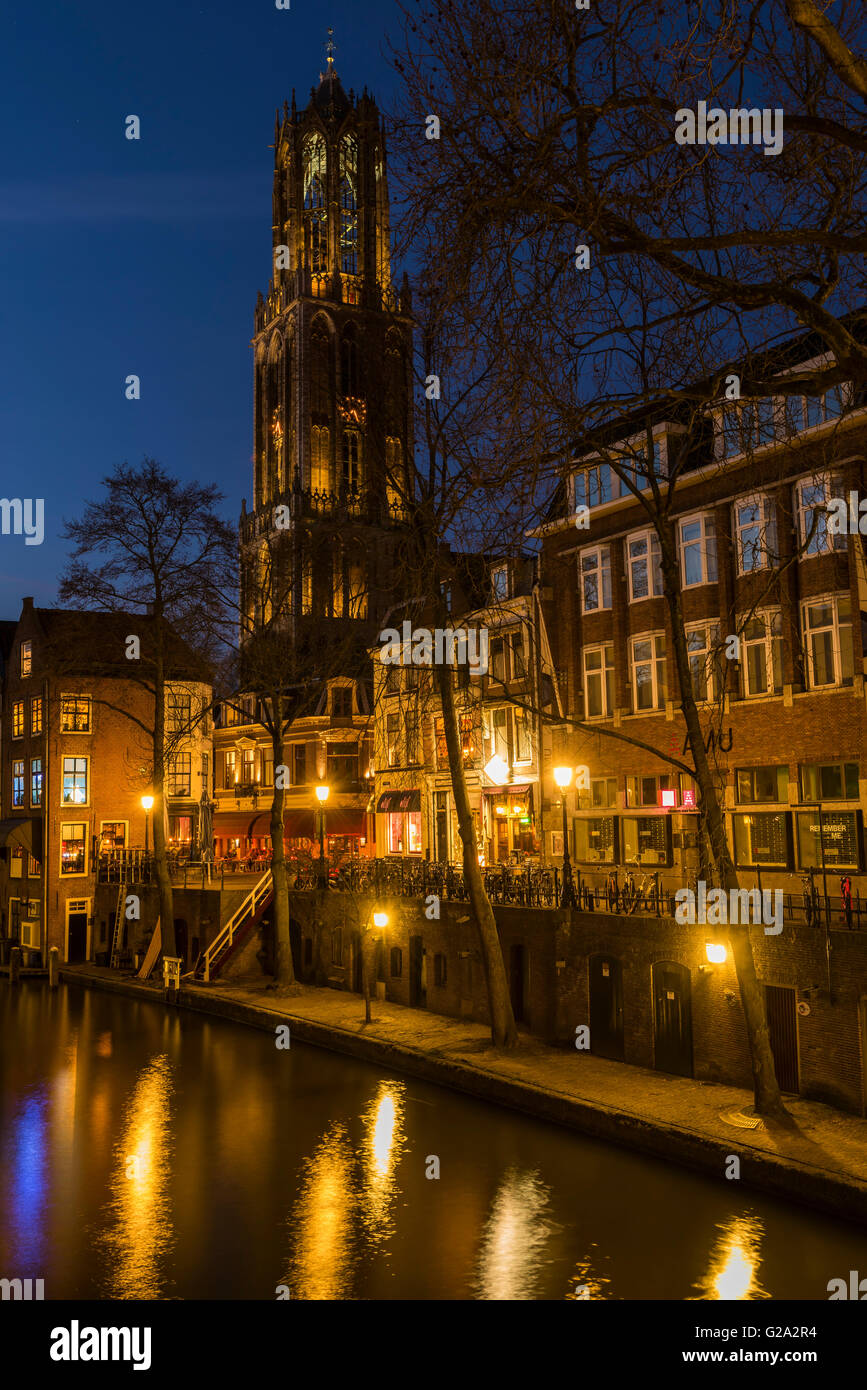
(322, 797)
(563, 778)
(147, 802)
(380, 920)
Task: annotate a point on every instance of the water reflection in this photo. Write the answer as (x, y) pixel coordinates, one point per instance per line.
(29, 1180)
(139, 1233)
(322, 1224)
(514, 1238)
(383, 1145)
(735, 1258)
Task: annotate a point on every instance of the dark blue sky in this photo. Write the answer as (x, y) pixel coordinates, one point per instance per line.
(143, 256)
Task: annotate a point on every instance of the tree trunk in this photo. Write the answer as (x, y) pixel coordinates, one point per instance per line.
(164, 879)
(768, 1100)
(284, 968)
(503, 1030)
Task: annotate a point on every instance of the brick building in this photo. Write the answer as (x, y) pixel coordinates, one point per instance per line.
(76, 764)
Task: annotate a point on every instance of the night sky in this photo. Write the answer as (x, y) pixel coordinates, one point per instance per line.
(143, 257)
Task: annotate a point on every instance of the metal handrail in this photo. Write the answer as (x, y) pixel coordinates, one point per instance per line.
(248, 907)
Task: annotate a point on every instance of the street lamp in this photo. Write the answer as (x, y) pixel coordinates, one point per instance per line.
(563, 778)
(147, 802)
(380, 920)
(322, 797)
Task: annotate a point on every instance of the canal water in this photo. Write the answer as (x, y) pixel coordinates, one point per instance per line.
(152, 1153)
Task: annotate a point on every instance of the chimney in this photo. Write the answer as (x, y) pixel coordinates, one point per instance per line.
(27, 605)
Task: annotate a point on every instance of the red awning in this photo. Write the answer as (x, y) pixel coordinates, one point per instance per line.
(520, 789)
(298, 824)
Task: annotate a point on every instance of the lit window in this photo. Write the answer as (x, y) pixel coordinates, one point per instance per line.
(762, 837)
(392, 738)
(649, 687)
(75, 781)
(755, 534)
(644, 566)
(179, 773)
(18, 782)
(595, 570)
(18, 719)
(598, 682)
(697, 551)
(315, 211)
(73, 849)
(26, 657)
(75, 714)
(348, 184)
(36, 714)
(827, 628)
(35, 781)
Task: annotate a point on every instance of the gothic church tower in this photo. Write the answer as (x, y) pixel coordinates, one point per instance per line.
(332, 384)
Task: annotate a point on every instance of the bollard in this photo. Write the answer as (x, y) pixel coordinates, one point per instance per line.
(53, 968)
(14, 965)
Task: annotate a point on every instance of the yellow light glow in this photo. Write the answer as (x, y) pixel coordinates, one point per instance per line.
(734, 1263)
(322, 793)
(563, 777)
(380, 919)
(716, 954)
(147, 802)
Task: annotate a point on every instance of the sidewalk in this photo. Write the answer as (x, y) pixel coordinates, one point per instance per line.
(822, 1161)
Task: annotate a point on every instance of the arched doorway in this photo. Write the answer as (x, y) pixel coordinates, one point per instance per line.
(672, 1018)
(606, 1006)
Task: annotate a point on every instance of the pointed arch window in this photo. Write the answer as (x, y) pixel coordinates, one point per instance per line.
(395, 382)
(320, 373)
(348, 198)
(351, 460)
(356, 587)
(315, 203)
(320, 470)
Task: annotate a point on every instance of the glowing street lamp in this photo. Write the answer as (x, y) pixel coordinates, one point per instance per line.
(147, 802)
(380, 921)
(563, 778)
(716, 954)
(322, 797)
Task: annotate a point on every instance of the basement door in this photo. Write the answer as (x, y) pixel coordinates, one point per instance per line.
(782, 1012)
(606, 1007)
(672, 1018)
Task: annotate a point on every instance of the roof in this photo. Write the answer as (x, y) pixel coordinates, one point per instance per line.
(102, 638)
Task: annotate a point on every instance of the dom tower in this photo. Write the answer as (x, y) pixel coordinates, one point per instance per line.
(332, 348)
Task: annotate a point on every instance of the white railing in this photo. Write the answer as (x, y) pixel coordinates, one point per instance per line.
(248, 908)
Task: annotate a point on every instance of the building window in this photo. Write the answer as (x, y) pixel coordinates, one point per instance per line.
(812, 498)
(73, 848)
(440, 970)
(649, 687)
(178, 712)
(181, 830)
(755, 534)
(180, 773)
(392, 739)
(747, 426)
(596, 485)
(75, 781)
(26, 658)
(805, 412)
(829, 839)
(18, 719)
(299, 764)
(633, 467)
(337, 947)
(230, 769)
(396, 959)
(348, 184)
(342, 765)
(596, 839)
(498, 660)
(697, 551)
(829, 781)
(341, 701)
(603, 791)
(315, 209)
(500, 583)
(702, 645)
(35, 781)
(112, 836)
(75, 714)
(519, 659)
(34, 868)
(36, 714)
(827, 628)
(351, 460)
(248, 770)
(644, 790)
(763, 783)
(762, 837)
(598, 682)
(497, 732)
(646, 839)
(522, 741)
(644, 566)
(762, 663)
(595, 568)
(18, 782)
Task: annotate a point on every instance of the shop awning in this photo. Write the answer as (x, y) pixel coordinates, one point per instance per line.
(399, 801)
(519, 789)
(298, 823)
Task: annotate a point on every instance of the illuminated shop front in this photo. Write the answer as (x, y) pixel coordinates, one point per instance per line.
(508, 823)
(402, 814)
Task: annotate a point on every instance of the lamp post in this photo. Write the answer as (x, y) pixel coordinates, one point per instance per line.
(322, 797)
(563, 778)
(380, 920)
(147, 802)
